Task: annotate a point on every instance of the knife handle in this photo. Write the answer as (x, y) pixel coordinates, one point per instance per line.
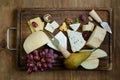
(64, 52)
(95, 16)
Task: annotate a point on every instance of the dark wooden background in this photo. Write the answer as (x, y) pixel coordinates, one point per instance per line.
(8, 70)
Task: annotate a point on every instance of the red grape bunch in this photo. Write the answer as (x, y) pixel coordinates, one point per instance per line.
(40, 60)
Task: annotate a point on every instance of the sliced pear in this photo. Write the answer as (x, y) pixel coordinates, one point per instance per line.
(84, 50)
(98, 53)
(75, 59)
(90, 64)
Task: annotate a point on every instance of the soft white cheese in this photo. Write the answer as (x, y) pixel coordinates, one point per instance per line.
(62, 40)
(52, 26)
(75, 26)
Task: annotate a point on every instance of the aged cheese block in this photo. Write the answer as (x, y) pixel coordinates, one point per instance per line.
(35, 41)
(96, 37)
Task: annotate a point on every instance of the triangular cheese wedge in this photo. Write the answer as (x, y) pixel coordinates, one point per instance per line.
(75, 26)
(76, 40)
(61, 38)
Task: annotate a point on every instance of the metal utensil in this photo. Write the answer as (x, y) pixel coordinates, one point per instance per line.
(56, 43)
(99, 20)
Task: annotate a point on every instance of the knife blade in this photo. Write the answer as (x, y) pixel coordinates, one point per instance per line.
(99, 20)
(56, 43)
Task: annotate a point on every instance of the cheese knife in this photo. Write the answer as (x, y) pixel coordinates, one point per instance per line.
(56, 43)
(99, 20)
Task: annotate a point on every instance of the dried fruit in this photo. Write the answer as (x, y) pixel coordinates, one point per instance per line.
(84, 17)
(68, 20)
(34, 24)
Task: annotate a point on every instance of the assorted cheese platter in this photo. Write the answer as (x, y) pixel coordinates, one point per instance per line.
(63, 39)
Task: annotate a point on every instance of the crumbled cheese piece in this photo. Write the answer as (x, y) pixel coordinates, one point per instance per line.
(88, 27)
(96, 37)
(63, 27)
(75, 26)
(52, 26)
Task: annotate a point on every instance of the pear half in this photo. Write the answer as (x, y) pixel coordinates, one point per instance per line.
(75, 59)
(90, 64)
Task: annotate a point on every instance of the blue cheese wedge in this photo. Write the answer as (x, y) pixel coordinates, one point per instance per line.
(76, 39)
(38, 21)
(52, 26)
(96, 37)
(61, 38)
(75, 26)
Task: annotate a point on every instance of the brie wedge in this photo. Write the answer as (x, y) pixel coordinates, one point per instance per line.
(62, 40)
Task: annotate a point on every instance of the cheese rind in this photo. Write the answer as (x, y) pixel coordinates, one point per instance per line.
(34, 41)
(76, 39)
(96, 37)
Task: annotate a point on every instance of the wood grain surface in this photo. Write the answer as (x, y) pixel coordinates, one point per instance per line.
(8, 18)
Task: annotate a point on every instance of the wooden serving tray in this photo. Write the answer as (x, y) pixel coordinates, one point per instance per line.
(59, 15)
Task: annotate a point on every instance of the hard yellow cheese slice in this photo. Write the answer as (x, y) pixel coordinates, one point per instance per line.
(38, 21)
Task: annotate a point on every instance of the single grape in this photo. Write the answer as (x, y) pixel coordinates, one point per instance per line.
(84, 17)
(39, 64)
(53, 61)
(30, 64)
(35, 68)
(29, 70)
(55, 56)
(36, 58)
(35, 52)
(49, 60)
(43, 60)
(49, 65)
(41, 69)
(51, 51)
(30, 56)
(43, 54)
(44, 65)
(46, 50)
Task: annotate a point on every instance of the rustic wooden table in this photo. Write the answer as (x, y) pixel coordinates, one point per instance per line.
(8, 71)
